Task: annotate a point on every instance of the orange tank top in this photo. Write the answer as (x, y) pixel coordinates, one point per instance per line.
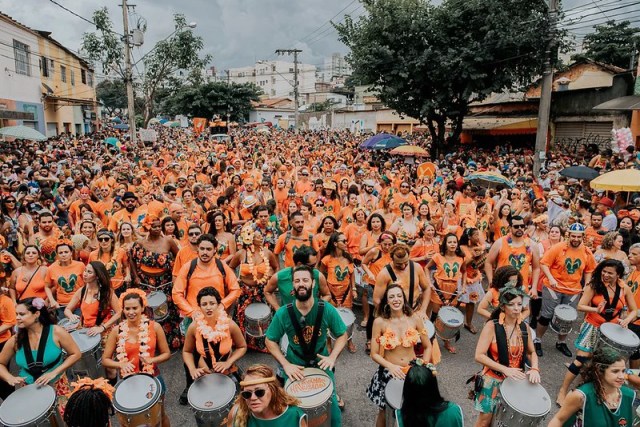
(519, 257)
(30, 286)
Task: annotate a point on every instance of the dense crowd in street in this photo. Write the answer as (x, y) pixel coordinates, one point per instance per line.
(116, 257)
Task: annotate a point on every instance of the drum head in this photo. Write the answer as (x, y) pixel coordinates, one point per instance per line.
(393, 393)
(84, 341)
(566, 312)
(451, 316)
(156, 299)
(27, 405)
(621, 335)
(347, 316)
(257, 310)
(68, 325)
(211, 392)
(525, 397)
(431, 329)
(136, 393)
(315, 389)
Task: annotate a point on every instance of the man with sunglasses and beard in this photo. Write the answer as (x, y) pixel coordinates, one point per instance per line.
(305, 322)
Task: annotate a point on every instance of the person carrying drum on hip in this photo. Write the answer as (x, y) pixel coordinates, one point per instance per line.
(214, 342)
(449, 275)
(137, 344)
(504, 348)
(564, 265)
(605, 299)
(633, 280)
(518, 251)
(396, 331)
(305, 322)
(264, 403)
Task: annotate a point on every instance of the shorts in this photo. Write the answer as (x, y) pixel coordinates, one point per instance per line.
(587, 337)
(474, 293)
(549, 304)
(487, 398)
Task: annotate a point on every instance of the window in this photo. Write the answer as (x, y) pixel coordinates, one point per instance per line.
(83, 76)
(44, 66)
(90, 78)
(291, 70)
(63, 73)
(73, 77)
(22, 57)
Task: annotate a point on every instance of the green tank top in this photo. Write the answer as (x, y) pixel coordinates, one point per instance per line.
(285, 285)
(51, 353)
(291, 417)
(598, 415)
(451, 416)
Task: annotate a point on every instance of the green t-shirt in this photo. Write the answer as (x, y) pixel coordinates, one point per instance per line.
(292, 417)
(596, 414)
(450, 417)
(285, 285)
(281, 325)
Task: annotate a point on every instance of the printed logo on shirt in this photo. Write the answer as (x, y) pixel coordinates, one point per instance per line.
(517, 261)
(70, 285)
(307, 333)
(340, 273)
(572, 265)
(451, 269)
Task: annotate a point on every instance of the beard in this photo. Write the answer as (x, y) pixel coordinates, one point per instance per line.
(304, 295)
(518, 233)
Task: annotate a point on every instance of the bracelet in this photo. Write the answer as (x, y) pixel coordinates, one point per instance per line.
(535, 369)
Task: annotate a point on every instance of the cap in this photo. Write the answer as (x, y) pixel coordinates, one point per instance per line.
(369, 183)
(606, 201)
(129, 195)
(576, 227)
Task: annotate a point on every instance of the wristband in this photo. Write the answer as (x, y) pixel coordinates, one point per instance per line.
(535, 369)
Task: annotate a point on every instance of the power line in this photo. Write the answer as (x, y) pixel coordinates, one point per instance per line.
(81, 17)
(328, 21)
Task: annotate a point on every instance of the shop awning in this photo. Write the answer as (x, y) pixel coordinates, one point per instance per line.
(624, 103)
(500, 125)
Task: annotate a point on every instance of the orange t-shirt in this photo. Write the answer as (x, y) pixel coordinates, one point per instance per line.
(290, 245)
(115, 265)
(339, 271)
(447, 275)
(64, 281)
(7, 316)
(35, 288)
(592, 239)
(519, 257)
(353, 233)
(185, 255)
(567, 265)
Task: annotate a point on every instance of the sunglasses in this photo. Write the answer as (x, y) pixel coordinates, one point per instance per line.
(9, 201)
(404, 186)
(319, 205)
(104, 239)
(194, 234)
(518, 226)
(247, 394)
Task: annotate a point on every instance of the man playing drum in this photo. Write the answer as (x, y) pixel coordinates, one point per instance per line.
(564, 266)
(409, 275)
(305, 323)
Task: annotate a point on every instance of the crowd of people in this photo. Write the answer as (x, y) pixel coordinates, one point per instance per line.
(171, 246)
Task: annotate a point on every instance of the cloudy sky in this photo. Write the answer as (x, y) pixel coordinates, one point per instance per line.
(239, 32)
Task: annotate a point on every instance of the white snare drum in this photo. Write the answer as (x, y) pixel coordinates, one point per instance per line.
(449, 322)
(314, 392)
(211, 398)
(157, 302)
(90, 364)
(393, 396)
(68, 325)
(563, 317)
(348, 318)
(521, 403)
(137, 401)
(431, 329)
(257, 318)
(621, 339)
(32, 405)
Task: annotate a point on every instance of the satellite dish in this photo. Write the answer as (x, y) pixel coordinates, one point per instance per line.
(137, 37)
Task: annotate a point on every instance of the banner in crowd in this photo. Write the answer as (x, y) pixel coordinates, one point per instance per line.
(148, 135)
(199, 125)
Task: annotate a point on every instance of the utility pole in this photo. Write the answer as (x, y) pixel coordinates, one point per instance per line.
(228, 76)
(544, 108)
(296, 94)
(128, 78)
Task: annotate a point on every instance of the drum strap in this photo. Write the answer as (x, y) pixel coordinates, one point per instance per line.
(101, 315)
(37, 368)
(609, 311)
(216, 353)
(343, 299)
(194, 264)
(503, 346)
(446, 301)
(309, 353)
(412, 279)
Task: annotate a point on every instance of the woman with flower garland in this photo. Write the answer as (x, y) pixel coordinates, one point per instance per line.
(38, 335)
(152, 261)
(114, 259)
(257, 265)
(396, 331)
(137, 344)
(504, 347)
(214, 342)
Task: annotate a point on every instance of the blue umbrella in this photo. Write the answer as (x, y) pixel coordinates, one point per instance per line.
(375, 138)
(113, 141)
(163, 121)
(388, 143)
(116, 120)
(122, 127)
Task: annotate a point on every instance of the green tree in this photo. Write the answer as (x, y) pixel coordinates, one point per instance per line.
(215, 98)
(611, 43)
(112, 94)
(179, 51)
(430, 62)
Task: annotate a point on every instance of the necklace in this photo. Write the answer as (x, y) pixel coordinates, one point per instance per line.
(143, 342)
(616, 402)
(210, 334)
(267, 274)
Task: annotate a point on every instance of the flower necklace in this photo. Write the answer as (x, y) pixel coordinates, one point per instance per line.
(143, 342)
(216, 334)
(253, 270)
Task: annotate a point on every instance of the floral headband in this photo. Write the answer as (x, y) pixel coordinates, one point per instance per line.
(64, 242)
(509, 289)
(139, 292)
(148, 220)
(246, 234)
(430, 366)
(38, 303)
(88, 383)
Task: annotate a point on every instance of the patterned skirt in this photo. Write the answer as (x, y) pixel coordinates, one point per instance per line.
(377, 387)
(62, 388)
(473, 294)
(487, 398)
(587, 338)
(250, 295)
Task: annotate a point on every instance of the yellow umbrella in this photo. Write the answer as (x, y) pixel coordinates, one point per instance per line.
(620, 180)
(410, 150)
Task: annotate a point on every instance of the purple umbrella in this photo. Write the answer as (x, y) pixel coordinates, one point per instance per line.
(374, 139)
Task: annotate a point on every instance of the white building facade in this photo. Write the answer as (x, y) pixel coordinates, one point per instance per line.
(276, 78)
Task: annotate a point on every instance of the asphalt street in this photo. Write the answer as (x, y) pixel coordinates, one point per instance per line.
(354, 372)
